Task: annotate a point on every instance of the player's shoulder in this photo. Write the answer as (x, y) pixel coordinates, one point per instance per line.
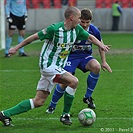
(92, 26)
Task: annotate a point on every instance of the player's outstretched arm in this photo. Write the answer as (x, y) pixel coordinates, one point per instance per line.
(95, 41)
(104, 64)
(27, 41)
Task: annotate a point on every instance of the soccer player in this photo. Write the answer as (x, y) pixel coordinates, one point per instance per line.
(16, 13)
(58, 41)
(81, 58)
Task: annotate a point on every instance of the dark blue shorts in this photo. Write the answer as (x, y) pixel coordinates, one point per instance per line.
(77, 61)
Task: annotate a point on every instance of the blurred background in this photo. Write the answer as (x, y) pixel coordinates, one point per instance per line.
(41, 13)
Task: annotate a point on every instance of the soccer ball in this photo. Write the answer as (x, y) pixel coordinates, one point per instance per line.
(87, 117)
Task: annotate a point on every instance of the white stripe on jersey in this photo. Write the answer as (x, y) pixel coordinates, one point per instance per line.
(48, 47)
(74, 35)
(61, 36)
(68, 36)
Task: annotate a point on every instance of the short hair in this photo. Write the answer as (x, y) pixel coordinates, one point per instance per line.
(70, 11)
(86, 14)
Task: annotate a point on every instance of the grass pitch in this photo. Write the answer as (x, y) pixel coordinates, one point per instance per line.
(113, 93)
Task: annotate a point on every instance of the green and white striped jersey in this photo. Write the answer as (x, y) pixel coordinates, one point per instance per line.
(58, 43)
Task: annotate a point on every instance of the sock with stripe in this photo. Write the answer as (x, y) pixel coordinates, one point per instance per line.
(91, 84)
(22, 107)
(68, 100)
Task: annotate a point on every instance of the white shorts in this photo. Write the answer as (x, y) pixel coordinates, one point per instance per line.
(47, 75)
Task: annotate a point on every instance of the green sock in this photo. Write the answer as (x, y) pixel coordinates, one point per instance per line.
(68, 99)
(22, 107)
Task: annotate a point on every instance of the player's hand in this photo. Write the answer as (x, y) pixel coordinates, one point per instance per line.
(105, 47)
(25, 18)
(106, 66)
(12, 51)
(9, 19)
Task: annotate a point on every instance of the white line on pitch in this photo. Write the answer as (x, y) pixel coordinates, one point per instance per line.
(55, 118)
(116, 70)
(19, 70)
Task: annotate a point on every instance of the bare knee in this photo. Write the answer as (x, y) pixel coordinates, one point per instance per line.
(97, 68)
(74, 83)
(93, 66)
(66, 79)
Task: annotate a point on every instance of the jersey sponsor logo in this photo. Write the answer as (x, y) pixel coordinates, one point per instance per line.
(63, 54)
(64, 45)
(81, 47)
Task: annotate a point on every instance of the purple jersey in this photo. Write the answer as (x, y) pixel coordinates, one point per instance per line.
(81, 52)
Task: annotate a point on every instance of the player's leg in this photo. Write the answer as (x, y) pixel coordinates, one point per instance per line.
(45, 86)
(43, 90)
(12, 27)
(22, 107)
(65, 80)
(58, 93)
(94, 67)
(71, 66)
(9, 41)
(21, 26)
(20, 39)
(68, 99)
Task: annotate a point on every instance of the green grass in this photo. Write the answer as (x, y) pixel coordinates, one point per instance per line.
(113, 93)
